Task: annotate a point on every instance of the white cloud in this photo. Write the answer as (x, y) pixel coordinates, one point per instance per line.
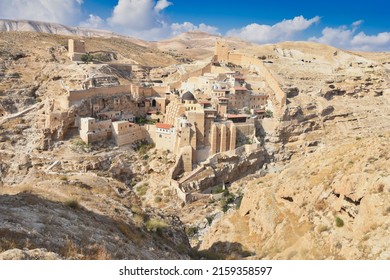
(284, 30)
(161, 5)
(178, 28)
(357, 23)
(133, 14)
(93, 21)
(140, 18)
(378, 42)
(144, 19)
(61, 11)
(340, 36)
(345, 37)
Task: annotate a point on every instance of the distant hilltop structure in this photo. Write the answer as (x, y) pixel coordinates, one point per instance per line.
(76, 49)
(221, 51)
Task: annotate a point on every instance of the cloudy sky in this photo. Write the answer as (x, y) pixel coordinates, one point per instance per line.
(354, 25)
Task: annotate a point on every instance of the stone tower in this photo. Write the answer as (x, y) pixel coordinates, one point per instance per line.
(76, 48)
(222, 51)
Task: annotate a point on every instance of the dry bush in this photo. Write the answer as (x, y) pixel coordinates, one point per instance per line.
(129, 232)
(320, 205)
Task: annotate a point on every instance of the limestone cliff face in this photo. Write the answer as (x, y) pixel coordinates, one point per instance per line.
(226, 167)
(332, 204)
(327, 192)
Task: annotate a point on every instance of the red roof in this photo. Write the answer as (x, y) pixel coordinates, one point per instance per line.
(233, 116)
(240, 88)
(163, 125)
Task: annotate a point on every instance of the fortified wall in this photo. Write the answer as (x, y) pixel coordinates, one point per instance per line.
(196, 73)
(76, 96)
(279, 98)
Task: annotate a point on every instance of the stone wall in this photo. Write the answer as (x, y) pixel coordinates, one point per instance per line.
(197, 73)
(278, 97)
(245, 131)
(76, 46)
(75, 96)
(125, 133)
(76, 49)
(165, 141)
(94, 131)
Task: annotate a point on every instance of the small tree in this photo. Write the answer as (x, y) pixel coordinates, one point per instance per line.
(269, 114)
(87, 58)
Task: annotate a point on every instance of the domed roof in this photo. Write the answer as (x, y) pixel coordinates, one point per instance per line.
(188, 96)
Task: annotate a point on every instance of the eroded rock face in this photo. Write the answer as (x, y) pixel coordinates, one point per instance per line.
(332, 204)
(35, 254)
(228, 167)
(70, 231)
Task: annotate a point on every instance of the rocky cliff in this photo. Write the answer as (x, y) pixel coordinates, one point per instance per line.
(327, 192)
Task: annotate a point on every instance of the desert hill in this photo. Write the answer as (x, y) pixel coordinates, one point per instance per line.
(60, 29)
(197, 44)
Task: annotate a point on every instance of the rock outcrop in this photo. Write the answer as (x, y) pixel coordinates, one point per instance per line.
(70, 231)
(35, 254)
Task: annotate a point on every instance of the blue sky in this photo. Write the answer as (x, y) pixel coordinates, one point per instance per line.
(355, 25)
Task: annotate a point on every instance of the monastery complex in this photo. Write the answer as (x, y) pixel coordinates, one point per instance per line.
(210, 111)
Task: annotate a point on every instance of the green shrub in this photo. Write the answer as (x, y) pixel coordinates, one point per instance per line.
(129, 232)
(269, 114)
(139, 219)
(143, 148)
(339, 222)
(218, 189)
(239, 200)
(191, 231)
(323, 228)
(74, 204)
(141, 190)
(63, 178)
(210, 219)
(79, 143)
(224, 205)
(87, 58)
(155, 225)
(135, 209)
